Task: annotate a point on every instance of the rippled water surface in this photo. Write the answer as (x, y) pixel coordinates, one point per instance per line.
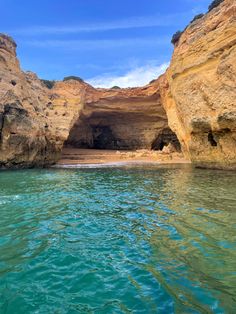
(131, 240)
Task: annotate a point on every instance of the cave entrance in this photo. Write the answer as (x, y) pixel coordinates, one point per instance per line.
(211, 139)
(119, 132)
(103, 138)
(164, 138)
(93, 136)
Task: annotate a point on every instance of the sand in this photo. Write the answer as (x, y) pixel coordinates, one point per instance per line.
(74, 156)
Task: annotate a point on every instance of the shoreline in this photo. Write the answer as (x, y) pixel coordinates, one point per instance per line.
(81, 158)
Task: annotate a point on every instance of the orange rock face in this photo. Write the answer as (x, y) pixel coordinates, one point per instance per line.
(36, 121)
(129, 118)
(25, 139)
(199, 89)
(195, 98)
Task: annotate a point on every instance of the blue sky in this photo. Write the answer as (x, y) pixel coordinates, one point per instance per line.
(106, 42)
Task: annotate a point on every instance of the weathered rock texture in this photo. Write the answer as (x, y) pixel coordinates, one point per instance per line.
(199, 89)
(198, 93)
(36, 121)
(25, 139)
(129, 118)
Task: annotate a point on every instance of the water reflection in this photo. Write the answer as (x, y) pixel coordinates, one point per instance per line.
(131, 240)
(194, 239)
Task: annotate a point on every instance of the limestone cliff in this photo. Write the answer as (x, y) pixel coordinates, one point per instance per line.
(199, 89)
(198, 94)
(25, 138)
(129, 118)
(35, 121)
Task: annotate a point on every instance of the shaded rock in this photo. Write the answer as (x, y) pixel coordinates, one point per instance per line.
(23, 140)
(195, 98)
(199, 89)
(35, 120)
(130, 118)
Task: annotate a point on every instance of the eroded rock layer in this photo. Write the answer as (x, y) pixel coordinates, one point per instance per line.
(120, 119)
(199, 89)
(35, 121)
(25, 138)
(197, 93)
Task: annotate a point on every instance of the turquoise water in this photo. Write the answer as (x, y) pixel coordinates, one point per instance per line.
(118, 240)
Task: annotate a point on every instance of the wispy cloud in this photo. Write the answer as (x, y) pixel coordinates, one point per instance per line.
(132, 22)
(84, 44)
(138, 76)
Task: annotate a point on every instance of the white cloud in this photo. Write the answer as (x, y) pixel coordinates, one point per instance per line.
(85, 44)
(132, 22)
(138, 76)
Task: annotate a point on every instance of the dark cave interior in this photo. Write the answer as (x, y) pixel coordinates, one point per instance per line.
(117, 134)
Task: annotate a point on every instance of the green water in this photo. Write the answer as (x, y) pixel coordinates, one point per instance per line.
(118, 240)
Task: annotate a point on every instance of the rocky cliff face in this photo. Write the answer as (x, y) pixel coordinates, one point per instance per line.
(25, 139)
(199, 89)
(35, 121)
(129, 118)
(198, 93)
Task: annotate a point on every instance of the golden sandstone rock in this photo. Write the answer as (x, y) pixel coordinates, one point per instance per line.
(199, 89)
(195, 98)
(26, 139)
(128, 118)
(35, 121)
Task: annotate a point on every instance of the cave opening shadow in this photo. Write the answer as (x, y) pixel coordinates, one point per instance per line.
(90, 134)
(93, 136)
(211, 139)
(164, 138)
(103, 138)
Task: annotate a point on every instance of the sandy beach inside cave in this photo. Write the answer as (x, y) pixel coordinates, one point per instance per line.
(77, 156)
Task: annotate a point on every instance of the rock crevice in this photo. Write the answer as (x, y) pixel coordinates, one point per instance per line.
(199, 89)
(192, 104)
